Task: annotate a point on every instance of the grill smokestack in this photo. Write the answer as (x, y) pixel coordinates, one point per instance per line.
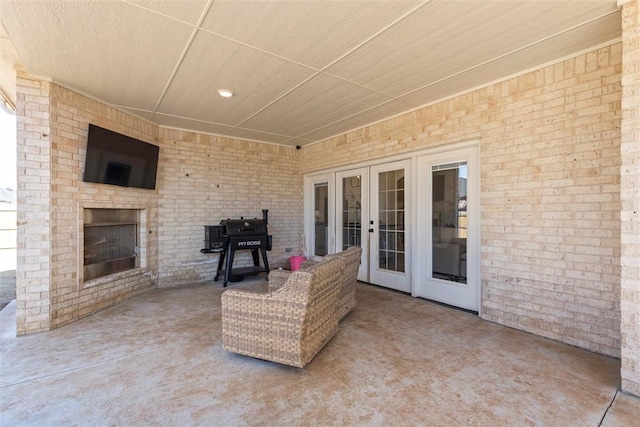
(265, 216)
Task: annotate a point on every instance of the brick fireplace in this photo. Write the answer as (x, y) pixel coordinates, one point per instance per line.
(54, 284)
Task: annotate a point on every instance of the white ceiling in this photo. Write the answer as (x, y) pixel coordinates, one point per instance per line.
(301, 70)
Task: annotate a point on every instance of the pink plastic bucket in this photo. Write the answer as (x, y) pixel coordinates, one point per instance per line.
(296, 262)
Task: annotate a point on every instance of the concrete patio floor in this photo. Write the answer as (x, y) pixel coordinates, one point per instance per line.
(396, 360)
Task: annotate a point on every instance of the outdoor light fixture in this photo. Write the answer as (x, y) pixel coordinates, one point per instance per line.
(225, 93)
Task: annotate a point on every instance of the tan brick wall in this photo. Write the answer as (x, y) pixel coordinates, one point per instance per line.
(52, 137)
(201, 180)
(33, 276)
(71, 297)
(630, 197)
(550, 166)
(208, 178)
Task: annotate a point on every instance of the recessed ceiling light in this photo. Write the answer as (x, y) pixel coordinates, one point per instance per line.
(225, 93)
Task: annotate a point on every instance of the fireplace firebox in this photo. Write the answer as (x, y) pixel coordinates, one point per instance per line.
(110, 241)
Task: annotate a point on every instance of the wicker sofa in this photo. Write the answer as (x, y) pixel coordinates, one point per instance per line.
(347, 298)
(297, 316)
(291, 322)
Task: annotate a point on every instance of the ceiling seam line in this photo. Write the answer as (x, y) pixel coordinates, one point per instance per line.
(292, 61)
(155, 12)
(222, 124)
(284, 58)
(182, 56)
(275, 100)
(315, 69)
(265, 132)
(321, 71)
(348, 117)
(506, 54)
(368, 39)
(357, 84)
(460, 93)
(219, 135)
(398, 97)
(190, 119)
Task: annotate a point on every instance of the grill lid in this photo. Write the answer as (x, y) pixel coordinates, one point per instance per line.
(244, 227)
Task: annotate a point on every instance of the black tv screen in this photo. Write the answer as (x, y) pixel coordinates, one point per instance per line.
(117, 159)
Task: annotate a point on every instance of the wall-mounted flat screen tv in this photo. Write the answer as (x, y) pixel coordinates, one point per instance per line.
(117, 159)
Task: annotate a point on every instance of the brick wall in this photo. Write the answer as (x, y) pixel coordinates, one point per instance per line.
(33, 276)
(550, 166)
(630, 196)
(201, 180)
(71, 297)
(52, 133)
(208, 178)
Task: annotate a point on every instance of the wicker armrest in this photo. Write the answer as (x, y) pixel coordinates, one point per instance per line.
(277, 279)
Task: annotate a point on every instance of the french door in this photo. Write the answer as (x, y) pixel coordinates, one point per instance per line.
(372, 212)
(448, 256)
(417, 221)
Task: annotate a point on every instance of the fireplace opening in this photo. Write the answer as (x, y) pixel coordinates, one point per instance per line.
(110, 241)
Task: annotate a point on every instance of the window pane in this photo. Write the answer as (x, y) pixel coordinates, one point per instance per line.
(391, 200)
(391, 178)
(391, 218)
(321, 207)
(449, 221)
(351, 211)
(382, 182)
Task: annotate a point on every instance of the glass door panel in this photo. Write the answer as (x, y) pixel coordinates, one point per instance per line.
(321, 209)
(352, 206)
(449, 221)
(319, 216)
(351, 211)
(389, 212)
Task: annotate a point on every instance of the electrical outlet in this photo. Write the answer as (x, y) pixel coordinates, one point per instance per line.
(288, 250)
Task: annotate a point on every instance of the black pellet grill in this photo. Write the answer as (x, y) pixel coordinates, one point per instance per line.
(234, 235)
